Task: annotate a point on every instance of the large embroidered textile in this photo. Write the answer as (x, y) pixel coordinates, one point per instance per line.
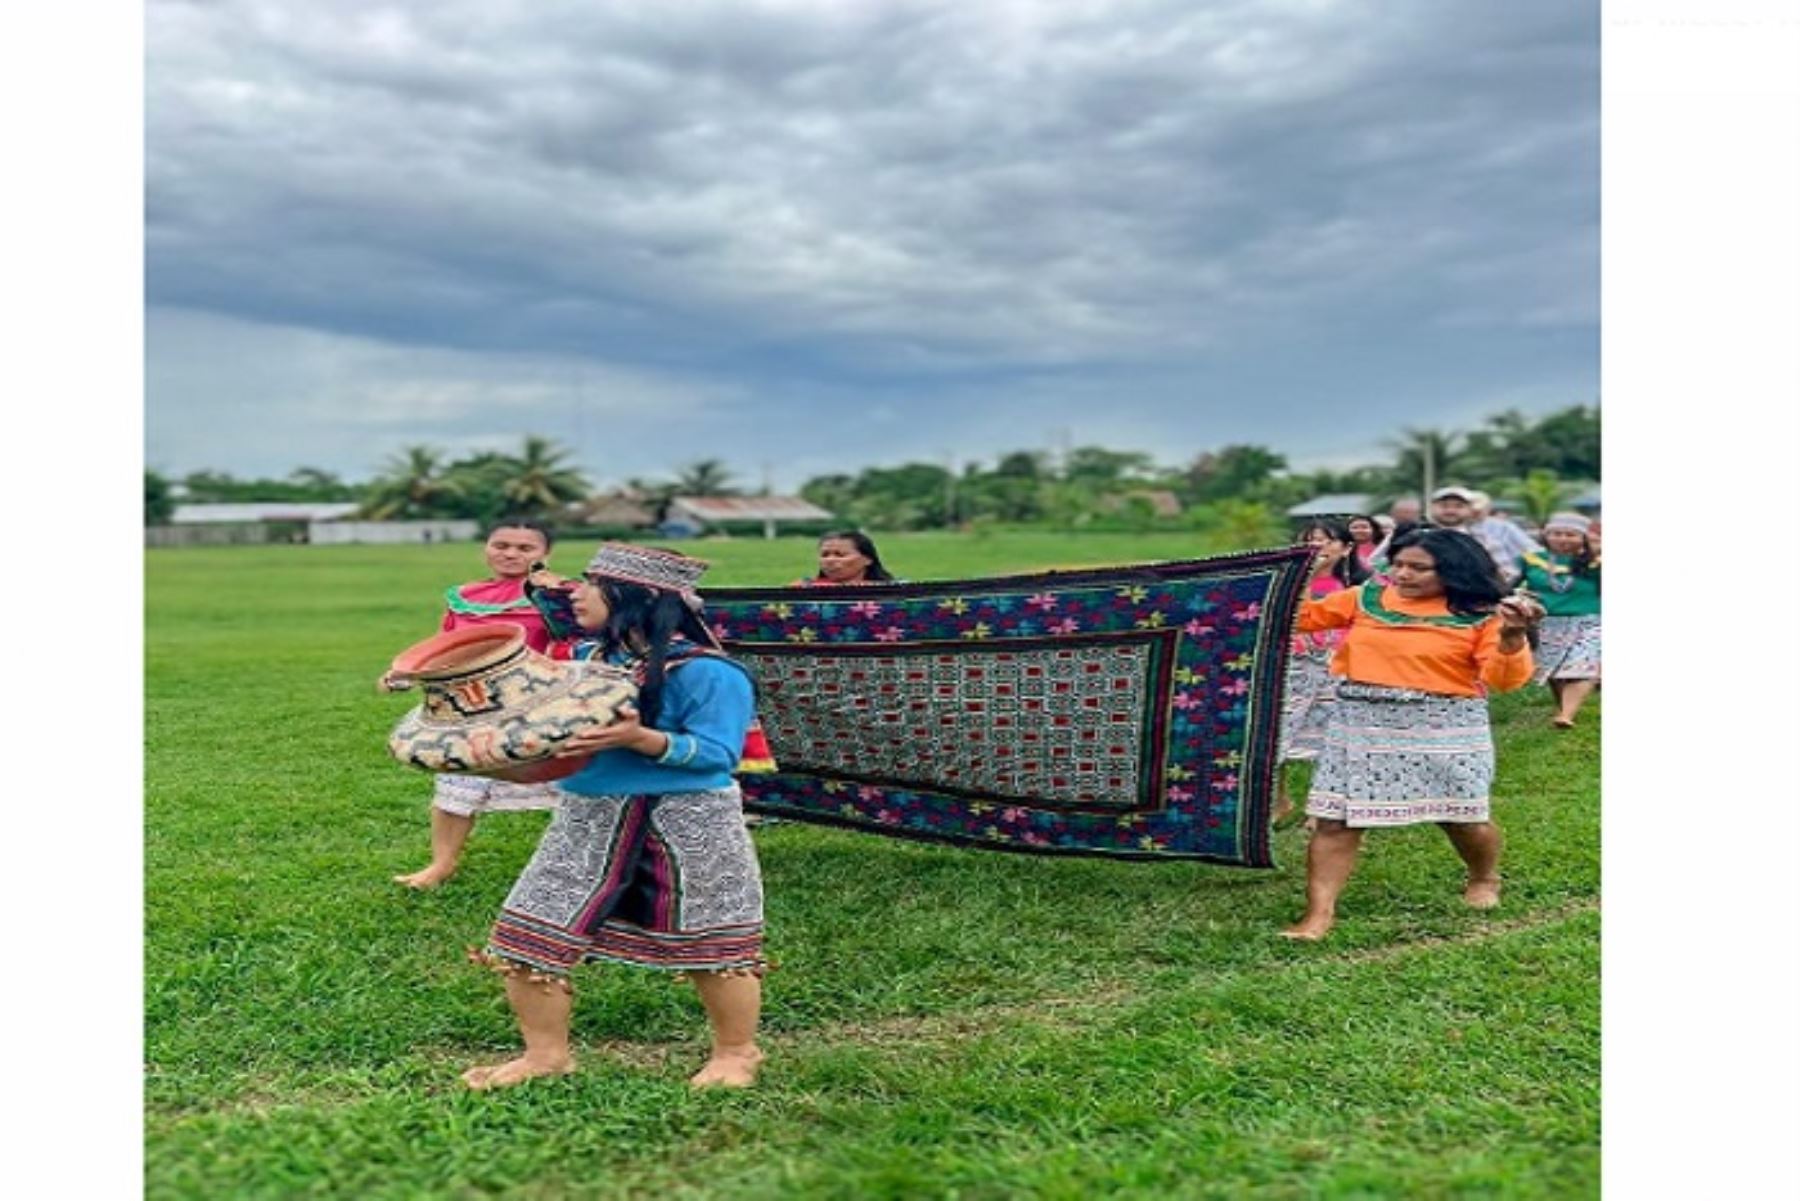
(1130, 711)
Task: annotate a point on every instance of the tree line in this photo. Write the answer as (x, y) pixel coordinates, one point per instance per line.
(1237, 491)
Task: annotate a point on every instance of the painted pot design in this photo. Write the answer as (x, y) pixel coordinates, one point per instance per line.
(495, 707)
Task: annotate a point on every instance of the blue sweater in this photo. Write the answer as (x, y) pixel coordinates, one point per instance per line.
(707, 705)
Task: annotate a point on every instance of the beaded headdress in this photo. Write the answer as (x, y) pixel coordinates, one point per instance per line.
(661, 569)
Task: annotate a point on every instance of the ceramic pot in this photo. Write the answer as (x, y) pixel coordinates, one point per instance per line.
(495, 707)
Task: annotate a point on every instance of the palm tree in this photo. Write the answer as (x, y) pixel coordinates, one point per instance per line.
(708, 477)
(1542, 494)
(1426, 457)
(412, 484)
(538, 481)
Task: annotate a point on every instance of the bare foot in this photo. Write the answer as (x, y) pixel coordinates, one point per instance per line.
(728, 1069)
(1482, 894)
(1563, 723)
(429, 877)
(1310, 928)
(516, 1071)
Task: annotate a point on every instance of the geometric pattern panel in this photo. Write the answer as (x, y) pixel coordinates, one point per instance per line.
(1129, 712)
(1055, 724)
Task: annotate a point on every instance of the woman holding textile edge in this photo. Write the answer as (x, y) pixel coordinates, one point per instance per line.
(1408, 740)
(1566, 578)
(1306, 700)
(647, 861)
(848, 557)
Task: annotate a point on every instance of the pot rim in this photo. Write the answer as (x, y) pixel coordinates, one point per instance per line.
(416, 661)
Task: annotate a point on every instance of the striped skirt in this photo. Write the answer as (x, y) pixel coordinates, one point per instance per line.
(469, 796)
(666, 882)
(1306, 704)
(1395, 757)
(1568, 649)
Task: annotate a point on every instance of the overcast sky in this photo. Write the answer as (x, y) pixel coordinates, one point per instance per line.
(819, 236)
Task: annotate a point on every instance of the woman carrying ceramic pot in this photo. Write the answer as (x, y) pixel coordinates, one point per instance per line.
(647, 861)
(512, 549)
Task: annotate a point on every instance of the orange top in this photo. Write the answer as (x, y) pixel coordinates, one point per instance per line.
(1393, 641)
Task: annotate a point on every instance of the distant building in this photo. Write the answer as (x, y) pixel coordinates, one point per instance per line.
(323, 522)
(616, 511)
(1588, 502)
(262, 510)
(1333, 504)
(695, 513)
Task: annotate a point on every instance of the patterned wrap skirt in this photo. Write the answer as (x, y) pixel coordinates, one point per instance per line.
(1396, 757)
(1568, 649)
(472, 795)
(666, 882)
(1306, 704)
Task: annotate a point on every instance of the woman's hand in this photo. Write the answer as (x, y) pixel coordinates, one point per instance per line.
(627, 733)
(546, 579)
(390, 682)
(1518, 613)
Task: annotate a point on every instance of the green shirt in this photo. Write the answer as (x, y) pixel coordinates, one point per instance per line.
(1564, 593)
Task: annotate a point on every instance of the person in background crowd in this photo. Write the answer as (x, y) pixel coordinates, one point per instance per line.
(513, 550)
(1306, 700)
(848, 557)
(1408, 740)
(1465, 509)
(1406, 509)
(1367, 534)
(1566, 579)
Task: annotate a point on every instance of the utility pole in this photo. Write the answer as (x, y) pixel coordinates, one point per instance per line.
(1430, 470)
(950, 489)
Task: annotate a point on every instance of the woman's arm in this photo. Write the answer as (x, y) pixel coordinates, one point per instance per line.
(1332, 612)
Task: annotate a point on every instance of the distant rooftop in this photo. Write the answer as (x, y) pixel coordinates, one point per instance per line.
(1332, 504)
(263, 510)
(749, 508)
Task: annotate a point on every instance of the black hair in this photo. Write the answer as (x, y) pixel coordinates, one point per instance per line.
(1350, 569)
(643, 621)
(522, 523)
(1466, 571)
(1374, 526)
(864, 547)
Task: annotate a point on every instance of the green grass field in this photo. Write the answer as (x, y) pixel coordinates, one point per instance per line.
(944, 1023)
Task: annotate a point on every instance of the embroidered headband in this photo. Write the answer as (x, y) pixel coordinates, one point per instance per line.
(1573, 523)
(660, 569)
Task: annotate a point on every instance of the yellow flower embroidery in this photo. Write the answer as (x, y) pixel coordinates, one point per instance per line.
(802, 635)
(1136, 594)
(1241, 663)
(955, 604)
(1152, 622)
(981, 630)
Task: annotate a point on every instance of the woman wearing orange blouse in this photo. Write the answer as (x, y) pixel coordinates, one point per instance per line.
(1408, 740)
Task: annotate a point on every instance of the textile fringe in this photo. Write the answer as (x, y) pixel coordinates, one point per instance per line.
(758, 970)
(511, 967)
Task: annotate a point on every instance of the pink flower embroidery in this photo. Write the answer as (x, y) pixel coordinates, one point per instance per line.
(1187, 700)
(1067, 625)
(868, 609)
(890, 634)
(1043, 600)
(1194, 629)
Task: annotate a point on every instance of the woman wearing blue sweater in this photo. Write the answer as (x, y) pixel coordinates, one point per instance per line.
(647, 861)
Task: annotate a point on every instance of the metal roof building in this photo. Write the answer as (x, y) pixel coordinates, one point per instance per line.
(1333, 504)
(727, 510)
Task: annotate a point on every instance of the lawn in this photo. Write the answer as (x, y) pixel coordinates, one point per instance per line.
(944, 1023)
